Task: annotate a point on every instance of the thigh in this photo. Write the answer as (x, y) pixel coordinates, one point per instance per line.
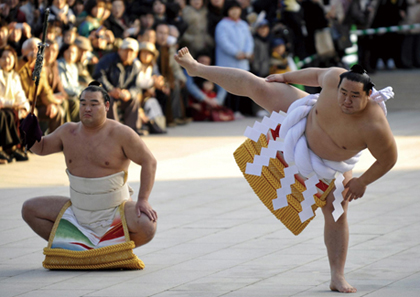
(46, 208)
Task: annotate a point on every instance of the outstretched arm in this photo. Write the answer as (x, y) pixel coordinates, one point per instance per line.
(136, 150)
(240, 82)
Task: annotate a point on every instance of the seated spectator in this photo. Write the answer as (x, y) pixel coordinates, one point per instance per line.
(94, 11)
(53, 76)
(48, 106)
(70, 35)
(60, 12)
(102, 41)
(204, 96)
(32, 14)
(18, 33)
(117, 72)
(149, 80)
(69, 76)
(78, 10)
(279, 62)
(148, 35)
(196, 37)
(11, 12)
(119, 23)
(4, 36)
(173, 106)
(85, 59)
(13, 106)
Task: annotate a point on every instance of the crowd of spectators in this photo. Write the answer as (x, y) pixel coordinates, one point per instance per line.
(129, 46)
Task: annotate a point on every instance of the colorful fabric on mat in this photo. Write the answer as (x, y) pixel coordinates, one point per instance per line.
(70, 235)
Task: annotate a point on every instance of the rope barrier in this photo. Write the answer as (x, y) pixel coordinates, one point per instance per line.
(370, 31)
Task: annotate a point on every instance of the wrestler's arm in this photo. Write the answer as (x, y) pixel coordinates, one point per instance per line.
(136, 150)
(51, 143)
(381, 144)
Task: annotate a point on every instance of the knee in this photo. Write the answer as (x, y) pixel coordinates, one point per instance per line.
(145, 230)
(27, 210)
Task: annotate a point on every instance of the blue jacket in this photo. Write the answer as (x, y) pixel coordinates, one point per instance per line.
(232, 38)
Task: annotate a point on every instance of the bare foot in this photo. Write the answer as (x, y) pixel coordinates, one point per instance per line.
(185, 59)
(339, 284)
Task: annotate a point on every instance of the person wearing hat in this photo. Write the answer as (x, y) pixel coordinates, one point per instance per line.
(234, 48)
(278, 61)
(149, 81)
(260, 64)
(117, 72)
(84, 60)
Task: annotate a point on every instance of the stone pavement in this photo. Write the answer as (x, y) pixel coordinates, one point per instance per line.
(214, 236)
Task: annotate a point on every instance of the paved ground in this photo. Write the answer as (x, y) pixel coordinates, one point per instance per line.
(214, 236)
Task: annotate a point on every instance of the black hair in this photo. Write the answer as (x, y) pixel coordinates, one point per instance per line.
(228, 5)
(95, 86)
(358, 74)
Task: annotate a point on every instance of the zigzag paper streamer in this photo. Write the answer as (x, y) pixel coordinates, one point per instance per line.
(338, 196)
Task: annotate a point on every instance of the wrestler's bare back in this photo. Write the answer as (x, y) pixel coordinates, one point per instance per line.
(94, 153)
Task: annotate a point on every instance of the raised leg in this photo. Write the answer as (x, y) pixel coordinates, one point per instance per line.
(40, 213)
(336, 237)
(142, 229)
(270, 96)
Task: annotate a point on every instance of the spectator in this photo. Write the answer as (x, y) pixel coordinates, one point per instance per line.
(78, 10)
(234, 48)
(149, 35)
(149, 80)
(4, 36)
(119, 23)
(94, 11)
(247, 9)
(389, 13)
(215, 15)
(196, 38)
(70, 35)
(410, 48)
(174, 17)
(147, 19)
(61, 13)
(117, 72)
(69, 76)
(159, 11)
(48, 106)
(18, 33)
(53, 75)
(102, 41)
(203, 97)
(260, 64)
(279, 62)
(84, 60)
(173, 105)
(11, 12)
(32, 14)
(13, 107)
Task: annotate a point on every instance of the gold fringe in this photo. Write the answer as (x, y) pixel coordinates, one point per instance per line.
(266, 185)
(118, 256)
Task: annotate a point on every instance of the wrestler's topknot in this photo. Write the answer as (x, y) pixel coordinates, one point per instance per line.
(358, 74)
(96, 86)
